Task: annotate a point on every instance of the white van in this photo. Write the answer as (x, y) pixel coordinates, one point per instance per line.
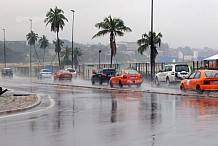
(172, 73)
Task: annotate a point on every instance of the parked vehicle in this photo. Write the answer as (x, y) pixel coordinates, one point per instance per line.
(126, 77)
(7, 72)
(63, 75)
(102, 75)
(44, 73)
(201, 80)
(172, 73)
(73, 72)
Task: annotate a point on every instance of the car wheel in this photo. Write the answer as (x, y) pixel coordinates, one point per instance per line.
(120, 84)
(168, 81)
(93, 83)
(139, 85)
(198, 89)
(182, 88)
(111, 84)
(156, 81)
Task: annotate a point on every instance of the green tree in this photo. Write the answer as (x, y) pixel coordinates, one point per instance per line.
(32, 39)
(145, 42)
(77, 54)
(43, 44)
(56, 18)
(113, 27)
(66, 53)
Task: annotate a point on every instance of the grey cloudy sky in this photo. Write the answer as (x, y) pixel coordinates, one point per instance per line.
(191, 23)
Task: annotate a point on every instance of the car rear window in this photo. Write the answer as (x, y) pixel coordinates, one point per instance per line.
(109, 71)
(211, 73)
(45, 70)
(71, 70)
(180, 68)
(8, 70)
(131, 72)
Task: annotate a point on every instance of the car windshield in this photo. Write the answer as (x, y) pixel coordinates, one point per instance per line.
(131, 72)
(211, 73)
(180, 68)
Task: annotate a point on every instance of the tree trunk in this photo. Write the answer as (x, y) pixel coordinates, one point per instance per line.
(111, 59)
(58, 45)
(112, 49)
(43, 58)
(152, 62)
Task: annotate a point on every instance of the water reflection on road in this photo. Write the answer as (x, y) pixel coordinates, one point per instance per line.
(83, 116)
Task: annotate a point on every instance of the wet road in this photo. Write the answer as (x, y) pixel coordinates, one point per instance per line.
(98, 117)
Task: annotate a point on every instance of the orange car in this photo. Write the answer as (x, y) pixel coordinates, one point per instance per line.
(201, 80)
(126, 77)
(63, 75)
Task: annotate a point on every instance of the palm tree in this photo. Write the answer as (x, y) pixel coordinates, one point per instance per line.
(113, 27)
(145, 42)
(43, 44)
(66, 53)
(32, 39)
(56, 18)
(77, 54)
(58, 45)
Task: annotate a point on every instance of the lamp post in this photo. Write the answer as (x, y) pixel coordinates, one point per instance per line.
(72, 36)
(152, 44)
(30, 51)
(4, 49)
(99, 52)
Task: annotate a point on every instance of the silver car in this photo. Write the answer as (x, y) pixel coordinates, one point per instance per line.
(44, 73)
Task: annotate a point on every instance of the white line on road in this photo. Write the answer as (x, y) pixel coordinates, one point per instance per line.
(52, 103)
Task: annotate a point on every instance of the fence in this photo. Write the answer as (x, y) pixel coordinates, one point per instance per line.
(85, 70)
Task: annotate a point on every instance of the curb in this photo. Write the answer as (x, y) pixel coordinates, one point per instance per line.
(23, 108)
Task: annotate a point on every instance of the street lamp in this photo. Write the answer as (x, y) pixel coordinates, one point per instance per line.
(4, 49)
(72, 36)
(30, 51)
(99, 52)
(152, 44)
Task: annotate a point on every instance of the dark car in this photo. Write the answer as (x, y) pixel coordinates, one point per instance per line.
(7, 72)
(102, 75)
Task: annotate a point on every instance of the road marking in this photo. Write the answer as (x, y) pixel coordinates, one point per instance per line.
(52, 104)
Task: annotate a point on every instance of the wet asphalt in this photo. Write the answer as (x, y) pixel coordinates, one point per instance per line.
(74, 115)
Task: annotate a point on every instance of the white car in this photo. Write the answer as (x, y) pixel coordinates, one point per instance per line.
(73, 72)
(44, 73)
(172, 73)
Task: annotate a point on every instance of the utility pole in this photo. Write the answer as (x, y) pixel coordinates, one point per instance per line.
(72, 37)
(4, 49)
(152, 60)
(30, 51)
